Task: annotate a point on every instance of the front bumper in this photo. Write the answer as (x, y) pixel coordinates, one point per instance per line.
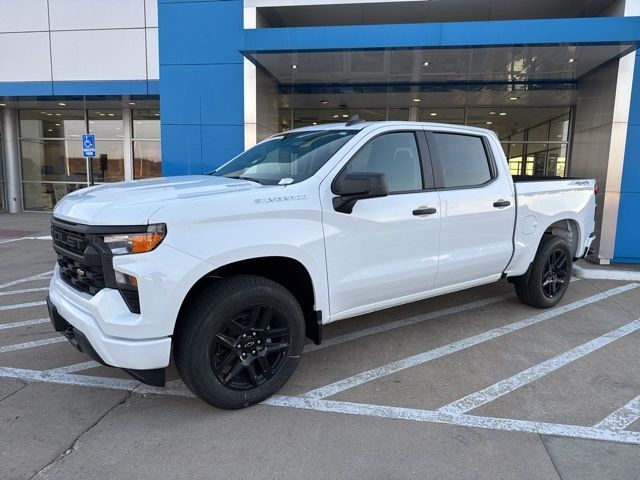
(155, 377)
(81, 316)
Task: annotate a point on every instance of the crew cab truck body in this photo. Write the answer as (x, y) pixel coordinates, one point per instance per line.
(233, 269)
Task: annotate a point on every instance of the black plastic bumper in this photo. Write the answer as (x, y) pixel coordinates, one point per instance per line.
(155, 377)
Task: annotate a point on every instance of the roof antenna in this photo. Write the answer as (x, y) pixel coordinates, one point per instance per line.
(354, 121)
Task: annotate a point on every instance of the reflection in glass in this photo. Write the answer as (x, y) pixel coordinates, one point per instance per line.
(51, 123)
(146, 124)
(55, 160)
(559, 131)
(106, 123)
(108, 164)
(147, 159)
(44, 196)
(442, 115)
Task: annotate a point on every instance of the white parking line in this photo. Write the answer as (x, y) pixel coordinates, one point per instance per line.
(35, 343)
(22, 305)
(25, 290)
(405, 363)
(329, 342)
(623, 417)
(492, 423)
(40, 276)
(24, 323)
(177, 388)
(44, 237)
(76, 367)
(491, 393)
(68, 379)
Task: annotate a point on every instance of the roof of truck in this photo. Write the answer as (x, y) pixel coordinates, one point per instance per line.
(399, 123)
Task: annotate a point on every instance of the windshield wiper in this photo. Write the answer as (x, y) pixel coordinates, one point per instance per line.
(249, 179)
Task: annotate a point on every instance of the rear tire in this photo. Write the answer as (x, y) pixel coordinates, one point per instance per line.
(240, 341)
(549, 276)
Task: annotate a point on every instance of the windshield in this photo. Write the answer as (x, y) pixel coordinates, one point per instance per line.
(287, 158)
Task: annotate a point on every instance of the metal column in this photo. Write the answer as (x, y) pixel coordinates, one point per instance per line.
(12, 159)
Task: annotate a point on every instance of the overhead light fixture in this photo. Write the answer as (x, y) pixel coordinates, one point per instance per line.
(336, 116)
(294, 66)
(492, 113)
(489, 123)
(110, 114)
(157, 114)
(3, 104)
(513, 99)
(43, 113)
(62, 104)
(315, 123)
(132, 103)
(324, 102)
(416, 99)
(344, 115)
(425, 64)
(571, 60)
(433, 114)
(49, 114)
(49, 129)
(57, 124)
(502, 114)
(58, 114)
(101, 114)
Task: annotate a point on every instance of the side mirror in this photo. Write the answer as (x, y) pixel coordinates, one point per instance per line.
(358, 186)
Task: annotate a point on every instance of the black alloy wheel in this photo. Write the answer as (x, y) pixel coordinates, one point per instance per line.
(547, 280)
(239, 340)
(250, 348)
(555, 273)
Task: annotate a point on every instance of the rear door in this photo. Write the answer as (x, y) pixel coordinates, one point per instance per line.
(477, 207)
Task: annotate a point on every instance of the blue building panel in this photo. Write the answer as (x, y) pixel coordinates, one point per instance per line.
(627, 247)
(181, 149)
(201, 92)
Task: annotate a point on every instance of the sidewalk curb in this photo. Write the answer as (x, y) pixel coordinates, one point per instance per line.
(606, 274)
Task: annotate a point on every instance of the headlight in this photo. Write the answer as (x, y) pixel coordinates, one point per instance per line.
(122, 244)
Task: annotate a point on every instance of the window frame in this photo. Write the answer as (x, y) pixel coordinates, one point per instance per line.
(437, 161)
(424, 158)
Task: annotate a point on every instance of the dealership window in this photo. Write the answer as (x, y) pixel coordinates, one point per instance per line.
(51, 154)
(147, 158)
(108, 127)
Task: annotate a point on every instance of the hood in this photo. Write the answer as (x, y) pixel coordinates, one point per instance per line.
(132, 203)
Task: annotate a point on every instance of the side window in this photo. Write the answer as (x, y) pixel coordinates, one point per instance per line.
(463, 160)
(395, 155)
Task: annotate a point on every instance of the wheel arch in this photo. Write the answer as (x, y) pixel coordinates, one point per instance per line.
(286, 271)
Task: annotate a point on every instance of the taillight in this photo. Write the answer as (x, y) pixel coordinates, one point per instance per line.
(596, 189)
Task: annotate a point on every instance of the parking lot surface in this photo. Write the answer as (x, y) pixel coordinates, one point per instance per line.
(468, 385)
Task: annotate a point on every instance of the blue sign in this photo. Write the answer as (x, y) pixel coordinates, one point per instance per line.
(89, 145)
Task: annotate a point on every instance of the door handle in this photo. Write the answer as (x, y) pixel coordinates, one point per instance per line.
(501, 203)
(424, 211)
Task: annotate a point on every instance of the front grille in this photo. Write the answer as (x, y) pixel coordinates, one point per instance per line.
(75, 269)
(84, 261)
(70, 241)
(81, 277)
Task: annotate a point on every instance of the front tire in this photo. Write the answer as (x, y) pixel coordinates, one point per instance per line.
(240, 341)
(549, 276)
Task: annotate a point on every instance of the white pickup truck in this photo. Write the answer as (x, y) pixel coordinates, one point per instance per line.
(234, 268)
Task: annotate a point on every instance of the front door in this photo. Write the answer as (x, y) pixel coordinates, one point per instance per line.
(387, 248)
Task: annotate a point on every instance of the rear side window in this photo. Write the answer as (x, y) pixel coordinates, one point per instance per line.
(394, 154)
(463, 160)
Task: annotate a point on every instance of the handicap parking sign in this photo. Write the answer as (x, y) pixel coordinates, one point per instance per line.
(89, 145)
